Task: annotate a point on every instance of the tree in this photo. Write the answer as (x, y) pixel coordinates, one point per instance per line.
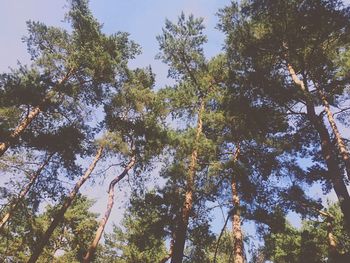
(59, 215)
(71, 237)
(141, 237)
(69, 69)
(60, 149)
(133, 118)
(310, 243)
(181, 48)
(285, 49)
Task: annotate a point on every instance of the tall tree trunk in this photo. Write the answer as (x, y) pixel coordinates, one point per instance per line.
(340, 143)
(29, 118)
(103, 222)
(59, 216)
(181, 231)
(335, 174)
(238, 254)
(23, 193)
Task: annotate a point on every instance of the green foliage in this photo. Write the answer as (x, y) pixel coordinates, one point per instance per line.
(243, 99)
(69, 241)
(310, 243)
(141, 237)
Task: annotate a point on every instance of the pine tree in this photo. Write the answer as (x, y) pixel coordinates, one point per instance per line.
(69, 69)
(281, 44)
(71, 237)
(134, 121)
(181, 47)
(311, 242)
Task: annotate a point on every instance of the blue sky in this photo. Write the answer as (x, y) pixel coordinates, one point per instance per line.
(143, 19)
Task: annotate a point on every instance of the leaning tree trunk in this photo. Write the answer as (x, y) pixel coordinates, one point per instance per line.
(335, 174)
(339, 140)
(103, 222)
(19, 129)
(334, 171)
(60, 214)
(181, 231)
(23, 193)
(238, 254)
(28, 119)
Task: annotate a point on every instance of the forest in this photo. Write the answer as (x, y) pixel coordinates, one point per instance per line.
(219, 167)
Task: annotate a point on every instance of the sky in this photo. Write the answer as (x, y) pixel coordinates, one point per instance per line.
(143, 19)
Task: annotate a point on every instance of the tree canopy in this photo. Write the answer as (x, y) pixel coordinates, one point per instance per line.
(246, 135)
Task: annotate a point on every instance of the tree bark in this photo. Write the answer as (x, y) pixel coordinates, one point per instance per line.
(334, 171)
(91, 250)
(60, 214)
(180, 235)
(332, 243)
(238, 254)
(340, 143)
(28, 119)
(23, 193)
(335, 174)
(19, 129)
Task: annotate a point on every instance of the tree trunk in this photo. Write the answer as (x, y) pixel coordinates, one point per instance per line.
(23, 193)
(340, 143)
(180, 235)
(332, 243)
(334, 171)
(335, 174)
(238, 254)
(28, 119)
(103, 222)
(19, 129)
(60, 214)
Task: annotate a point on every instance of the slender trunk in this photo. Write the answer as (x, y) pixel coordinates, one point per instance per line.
(179, 242)
(238, 254)
(340, 143)
(103, 222)
(219, 238)
(60, 214)
(28, 119)
(335, 174)
(23, 193)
